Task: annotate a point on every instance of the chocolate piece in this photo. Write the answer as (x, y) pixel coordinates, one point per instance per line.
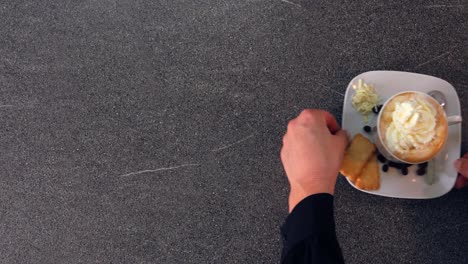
(421, 171)
(404, 171)
(381, 158)
(376, 109)
(385, 168)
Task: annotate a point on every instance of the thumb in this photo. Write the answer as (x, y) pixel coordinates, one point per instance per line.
(342, 139)
(462, 166)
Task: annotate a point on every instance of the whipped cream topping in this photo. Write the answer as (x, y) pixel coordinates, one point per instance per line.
(413, 125)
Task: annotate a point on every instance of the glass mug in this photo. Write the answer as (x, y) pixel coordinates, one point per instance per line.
(384, 150)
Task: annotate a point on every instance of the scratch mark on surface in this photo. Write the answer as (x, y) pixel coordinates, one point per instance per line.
(329, 89)
(291, 3)
(433, 59)
(342, 94)
(161, 169)
(232, 144)
(442, 6)
(1, 106)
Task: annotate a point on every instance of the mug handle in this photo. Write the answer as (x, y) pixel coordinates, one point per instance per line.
(452, 120)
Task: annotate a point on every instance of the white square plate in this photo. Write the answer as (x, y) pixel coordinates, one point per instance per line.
(393, 184)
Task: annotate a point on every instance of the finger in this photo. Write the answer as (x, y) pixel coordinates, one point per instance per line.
(331, 122)
(291, 124)
(319, 117)
(308, 116)
(460, 182)
(282, 154)
(462, 167)
(342, 139)
(465, 156)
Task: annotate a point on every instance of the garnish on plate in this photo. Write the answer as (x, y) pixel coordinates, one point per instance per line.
(364, 99)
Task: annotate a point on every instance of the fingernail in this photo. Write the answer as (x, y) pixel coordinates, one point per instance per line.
(457, 164)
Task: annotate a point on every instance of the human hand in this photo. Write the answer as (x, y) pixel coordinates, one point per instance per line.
(461, 165)
(313, 149)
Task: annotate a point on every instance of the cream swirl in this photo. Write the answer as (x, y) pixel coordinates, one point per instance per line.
(413, 125)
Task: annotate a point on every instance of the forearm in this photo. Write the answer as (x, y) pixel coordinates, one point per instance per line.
(309, 232)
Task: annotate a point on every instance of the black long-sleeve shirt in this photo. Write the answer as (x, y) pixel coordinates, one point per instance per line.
(309, 232)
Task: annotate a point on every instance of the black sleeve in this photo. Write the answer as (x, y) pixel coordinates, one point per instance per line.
(309, 232)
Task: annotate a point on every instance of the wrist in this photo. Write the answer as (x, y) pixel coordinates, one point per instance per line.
(299, 192)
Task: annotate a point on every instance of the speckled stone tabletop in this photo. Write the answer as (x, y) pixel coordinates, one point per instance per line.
(149, 131)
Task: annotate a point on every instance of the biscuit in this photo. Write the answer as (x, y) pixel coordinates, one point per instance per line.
(369, 179)
(356, 157)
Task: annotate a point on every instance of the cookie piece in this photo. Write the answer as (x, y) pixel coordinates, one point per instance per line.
(370, 176)
(356, 157)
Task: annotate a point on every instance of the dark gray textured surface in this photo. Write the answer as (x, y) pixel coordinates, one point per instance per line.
(93, 90)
